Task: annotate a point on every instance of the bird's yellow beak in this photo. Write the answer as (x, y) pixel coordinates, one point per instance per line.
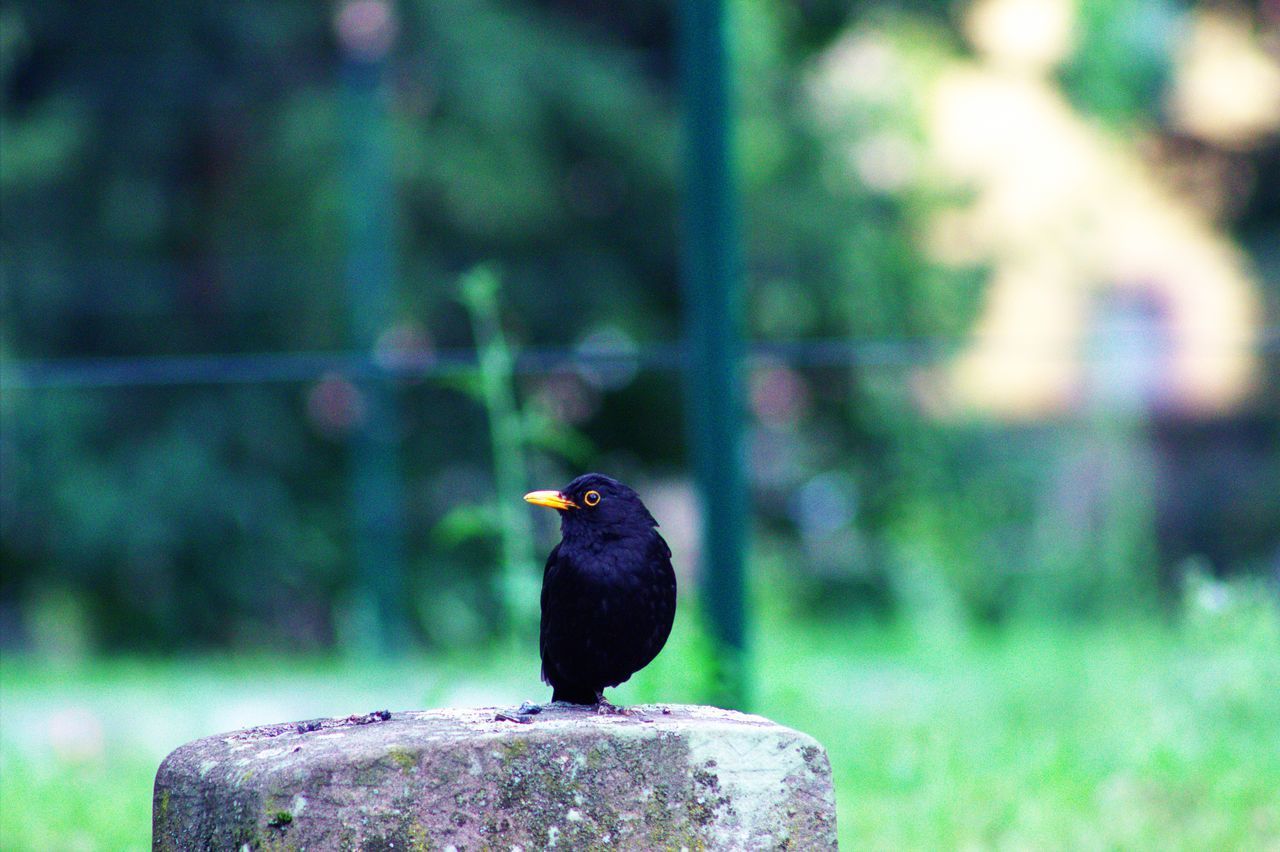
(554, 499)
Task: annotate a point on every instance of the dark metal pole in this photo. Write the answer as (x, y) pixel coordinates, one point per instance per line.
(711, 271)
(365, 31)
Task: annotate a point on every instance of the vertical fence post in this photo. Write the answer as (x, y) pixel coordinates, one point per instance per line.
(365, 30)
(710, 267)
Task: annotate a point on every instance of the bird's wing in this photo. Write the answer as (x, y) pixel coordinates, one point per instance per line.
(660, 597)
(659, 547)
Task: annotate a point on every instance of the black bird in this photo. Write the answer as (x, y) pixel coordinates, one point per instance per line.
(608, 591)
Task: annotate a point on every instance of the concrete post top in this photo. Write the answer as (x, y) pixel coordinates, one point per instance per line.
(558, 719)
(661, 776)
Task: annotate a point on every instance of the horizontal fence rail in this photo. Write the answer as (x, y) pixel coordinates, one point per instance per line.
(107, 372)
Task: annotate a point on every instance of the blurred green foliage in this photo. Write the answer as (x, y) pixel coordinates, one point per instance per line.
(1132, 734)
(172, 183)
(1121, 64)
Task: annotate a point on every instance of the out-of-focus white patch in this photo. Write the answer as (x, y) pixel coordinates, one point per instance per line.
(75, 734)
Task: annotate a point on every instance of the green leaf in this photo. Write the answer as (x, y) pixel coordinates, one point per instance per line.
(467, 523)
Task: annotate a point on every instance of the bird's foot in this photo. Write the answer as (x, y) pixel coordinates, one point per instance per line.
(605, 708)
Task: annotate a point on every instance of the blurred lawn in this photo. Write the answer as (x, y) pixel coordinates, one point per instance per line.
(1059, 737)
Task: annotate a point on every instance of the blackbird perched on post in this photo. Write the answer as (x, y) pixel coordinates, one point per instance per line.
(608, 591)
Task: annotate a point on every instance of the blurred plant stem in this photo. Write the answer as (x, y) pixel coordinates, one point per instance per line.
(518, 581)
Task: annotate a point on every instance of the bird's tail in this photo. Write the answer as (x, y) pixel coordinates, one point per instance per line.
(573, 694)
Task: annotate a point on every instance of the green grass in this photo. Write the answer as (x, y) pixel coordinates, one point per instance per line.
(1087, 737)
(1059, 739)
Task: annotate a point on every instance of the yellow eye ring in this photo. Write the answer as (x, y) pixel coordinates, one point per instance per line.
(591, 498)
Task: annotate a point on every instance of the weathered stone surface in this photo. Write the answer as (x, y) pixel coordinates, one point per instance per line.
(671, 778)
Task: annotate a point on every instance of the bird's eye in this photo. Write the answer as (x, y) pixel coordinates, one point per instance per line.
(591, 498)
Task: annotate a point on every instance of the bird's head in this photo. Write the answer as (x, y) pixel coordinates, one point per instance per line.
(596, 501)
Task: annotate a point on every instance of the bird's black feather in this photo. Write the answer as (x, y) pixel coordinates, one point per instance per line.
(608, 592)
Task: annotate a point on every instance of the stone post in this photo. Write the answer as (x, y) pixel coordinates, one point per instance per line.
(674, 777)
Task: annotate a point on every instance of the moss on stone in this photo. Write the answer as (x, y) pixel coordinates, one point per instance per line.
(403, 758)
(595, 756)
(270, 844)
(707, 799)
(419, 838)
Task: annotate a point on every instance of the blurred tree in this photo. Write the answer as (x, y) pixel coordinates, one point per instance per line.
(171, 184)
(174, 187)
